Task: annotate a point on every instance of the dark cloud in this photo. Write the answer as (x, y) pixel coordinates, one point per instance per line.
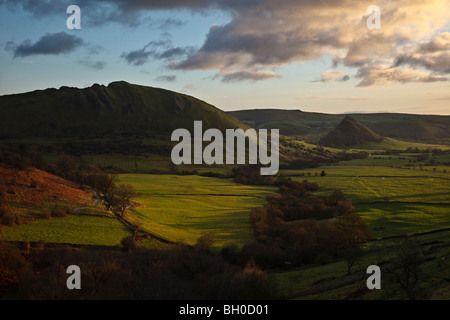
(96, 13)
(433, 55)
(160, 50)
(264, 35)
(50, 44)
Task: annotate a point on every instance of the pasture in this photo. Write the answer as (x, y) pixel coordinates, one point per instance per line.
(182, 208)
(394, 201)
(73, 229)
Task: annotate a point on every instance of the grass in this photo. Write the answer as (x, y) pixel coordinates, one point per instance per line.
(389, 143)
(331, 282)
(72, 229)
(393, 201)
(138, 164)
(184, 207)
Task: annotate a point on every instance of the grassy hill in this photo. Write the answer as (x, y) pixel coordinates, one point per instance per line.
(120, 109)
(349, 133)
(313, 126)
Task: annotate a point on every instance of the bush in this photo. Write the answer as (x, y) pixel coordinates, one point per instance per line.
(12, 264)
(206, 241)
(33, 184)
(129, 244)
(58, 213)
(46, 213)
(3, 212)
(7, 218)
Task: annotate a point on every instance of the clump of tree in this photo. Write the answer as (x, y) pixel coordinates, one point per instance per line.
(13, 265)
(251, 175)
(22, 157)
(177, 273)
(298, 228)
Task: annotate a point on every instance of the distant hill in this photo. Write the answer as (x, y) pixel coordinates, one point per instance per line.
(119, 109)
(313, 126)
(349, 133)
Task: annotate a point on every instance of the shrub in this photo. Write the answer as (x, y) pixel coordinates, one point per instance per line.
(3, 212)
(46, 213)
(12, 264)
(7, 218)
(33, 184)
(129, 243)
(58, 213)
(206, 241)
(41, 245)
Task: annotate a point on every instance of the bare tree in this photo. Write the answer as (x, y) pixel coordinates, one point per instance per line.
(406, 271)
(120, 197)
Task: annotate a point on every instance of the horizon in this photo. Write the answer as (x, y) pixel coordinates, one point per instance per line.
(314, 57)
(246, 109)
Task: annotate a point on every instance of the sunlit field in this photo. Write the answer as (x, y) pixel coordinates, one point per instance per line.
(184, 207)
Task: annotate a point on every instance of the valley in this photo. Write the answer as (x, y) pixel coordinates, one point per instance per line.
(400, 189)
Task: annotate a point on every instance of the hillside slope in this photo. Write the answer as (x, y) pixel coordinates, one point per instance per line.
(349, 133)
(105, 111)
(312, 126)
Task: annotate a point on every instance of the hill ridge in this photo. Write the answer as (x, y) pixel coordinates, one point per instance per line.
(119, 109)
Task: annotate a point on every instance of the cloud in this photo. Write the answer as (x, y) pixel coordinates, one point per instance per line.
(98, 13)
(167, 78)
(171, 23)
(161, 50)
(95, 65)
(382, 75)
(265, 35)
(252, 76)
(50, 44)
(188, 87)
(431, 55)
(331, 75)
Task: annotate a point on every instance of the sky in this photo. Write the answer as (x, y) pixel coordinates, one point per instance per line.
(317, 56)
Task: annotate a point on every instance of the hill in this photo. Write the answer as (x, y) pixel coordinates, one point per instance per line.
(313, 126)
(350, 133)
(29, 192)
(119, 109)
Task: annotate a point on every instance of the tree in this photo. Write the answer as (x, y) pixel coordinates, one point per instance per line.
(102, 182)
(206, 241)
(406, 271)
(120, 197)
(67, 166)
(351, 256)
(323, 173)
(353, 229)
(129, 243)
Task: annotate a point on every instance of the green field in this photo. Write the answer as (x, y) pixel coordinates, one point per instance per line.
(396, 201)
(89, 230)
(393, 201)
(184, 207)
(331, 281)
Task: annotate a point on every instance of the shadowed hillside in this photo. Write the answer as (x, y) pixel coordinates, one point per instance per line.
(99, 111)
(349, 133)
